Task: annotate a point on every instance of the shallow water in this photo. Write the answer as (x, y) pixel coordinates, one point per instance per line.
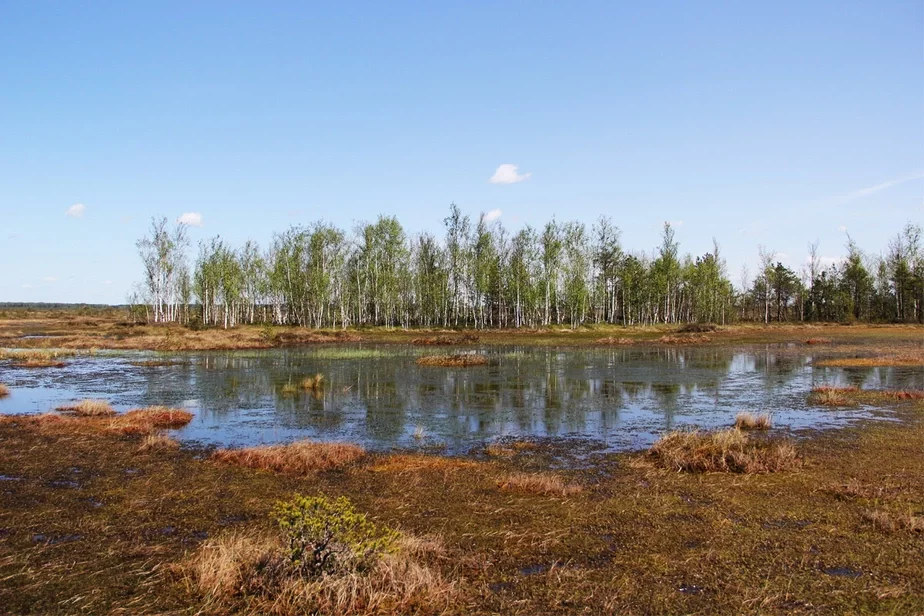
(377, 395)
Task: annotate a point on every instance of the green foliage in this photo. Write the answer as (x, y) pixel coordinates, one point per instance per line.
(328, 535)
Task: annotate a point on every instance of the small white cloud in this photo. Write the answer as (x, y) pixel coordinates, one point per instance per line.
(508, 174)
(193, 219)
(492, 215)
(842, 228)
(50, 279)
(76, 210)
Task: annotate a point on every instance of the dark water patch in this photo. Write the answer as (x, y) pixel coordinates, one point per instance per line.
(63, 484)
(691, 589)
(9, 478)
(842, 572)
(54, 539)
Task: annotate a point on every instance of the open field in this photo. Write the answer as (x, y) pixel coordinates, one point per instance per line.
(94, 520)
(839, 344)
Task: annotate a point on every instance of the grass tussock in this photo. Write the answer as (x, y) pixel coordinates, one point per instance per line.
(88, 408)
(36, 358)
(312, 383)
(750, 421)
(412, 463)
(289, 389)
(538, 483)
(508, 449)
(4, 391)
(298, 458)
(248, 572)
(446, 340)
(894, 522)
(150, 419)
(833, 396)
(902, 394)
(158, 441)
(453, 361)
(684, 339)
(817, 341)
(722, 451)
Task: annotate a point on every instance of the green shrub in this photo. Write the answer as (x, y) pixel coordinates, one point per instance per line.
(329, 536)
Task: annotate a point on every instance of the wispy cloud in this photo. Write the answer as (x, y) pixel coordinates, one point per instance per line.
(492, 215)
(872, 190)
(193, 219)
(76, 210)
(508, 174)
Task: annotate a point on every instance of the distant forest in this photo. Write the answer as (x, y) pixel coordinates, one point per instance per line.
(480, 275)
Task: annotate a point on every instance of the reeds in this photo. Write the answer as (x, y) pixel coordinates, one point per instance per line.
(453, 361)
(88, 408)
(684, 339)
(298, 458)
(444, 340)
(538, 483)
(722, 451)
(750, 421)
(833, 396)
(312, 383)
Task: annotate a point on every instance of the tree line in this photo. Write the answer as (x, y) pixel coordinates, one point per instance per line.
(480, 275)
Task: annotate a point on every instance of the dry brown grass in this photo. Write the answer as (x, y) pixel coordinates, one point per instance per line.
(88, 408)
(895, 522)
(833, 396)
(412, 463)
(888, 357)
(750, 421)
(723, 451)
(453, 361)
(4, 391)
(817, 341)
(36, 358)
(902, 394)
(538, 483)
(158, 441)
(299, 458)
(683, 339)
(150, 419)
(249, 573)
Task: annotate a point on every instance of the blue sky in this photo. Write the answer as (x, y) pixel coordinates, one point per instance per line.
(775, 123)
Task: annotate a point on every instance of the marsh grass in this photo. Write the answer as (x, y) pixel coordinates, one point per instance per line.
(289, 389)
(750, 421)
(4, 391)
(885, 356)
(446, 340)
(312, 383)
(538, 483)
(817, 341)
(88, 408)
(729, 450)
(298, 458)
(508, 449)
(833, 396)
(158, 441)
(248, 572)
(36, 358)
(894, 522)
(616, 341)
(453, 361)
(149, 419)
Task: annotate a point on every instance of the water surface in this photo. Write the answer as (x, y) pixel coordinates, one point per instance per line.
(377, 395)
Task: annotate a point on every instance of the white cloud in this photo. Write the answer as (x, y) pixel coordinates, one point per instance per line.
(76, 210)
(508, 174)
(50, 279)
(842, 228)
(193, 219)
(871, 190)
(492, 215)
